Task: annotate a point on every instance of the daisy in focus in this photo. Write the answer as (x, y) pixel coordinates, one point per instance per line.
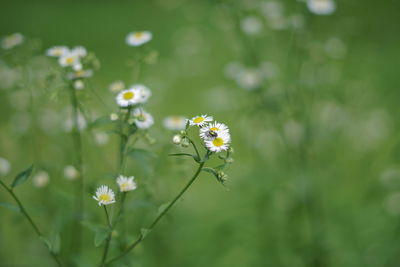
(126, 184)
(104, 195)
(128, 97)
(12, 40)
(175, 123)
(200, 120)
(142, 119)
(213, 130)
(321, 7)
(219, 143)
(138, 38)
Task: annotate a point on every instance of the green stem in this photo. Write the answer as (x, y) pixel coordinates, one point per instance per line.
(77, 139)
(31, 222)
(195, 148)
(108, 241)
(158, 218)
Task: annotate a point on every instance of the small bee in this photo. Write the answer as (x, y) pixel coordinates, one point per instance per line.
(212, 134)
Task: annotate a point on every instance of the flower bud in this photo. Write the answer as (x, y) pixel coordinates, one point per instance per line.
(177, 139)
(114, 116)
(185, 142)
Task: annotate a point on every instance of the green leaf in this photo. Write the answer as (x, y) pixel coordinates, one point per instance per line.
(162, 208)
(143, 157)
(22, 177)
(100, 122)
(10, 206)
(100, 236)
(47, 242)
(145, 232)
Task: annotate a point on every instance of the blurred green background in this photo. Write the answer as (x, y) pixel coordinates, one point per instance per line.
(316, 177)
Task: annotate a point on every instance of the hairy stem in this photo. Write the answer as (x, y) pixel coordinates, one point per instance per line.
(31, 222)
(161, 215)
(108, 241)
(77, 140)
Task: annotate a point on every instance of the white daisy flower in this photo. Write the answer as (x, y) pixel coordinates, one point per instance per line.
(117, 86)
(12, 40)
(321, 7)
(41, 179)
(128, 97)
(175, 123)
(213, 130)
(138, 38)
(200, 120)
(142, 119)
(57, 51)
(220, 143)
(126, 183)
(79, 51)
(144, 92)
(5, 166)
(69, 59)
(70, 172)
(77, 67)
(104, 195)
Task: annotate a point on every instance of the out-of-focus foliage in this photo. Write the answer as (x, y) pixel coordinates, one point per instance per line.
(311, 101)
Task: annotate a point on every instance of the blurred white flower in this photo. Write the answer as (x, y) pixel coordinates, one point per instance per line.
(79, 51)
(79, 85)
(80, 74)
(251, 25)
(128, 97)
(57, 51)
(144, 92)
(250, 79)
(117, 86)
(138, 38)
(5, 166)
(70, 172)
(200, 120)
(101, 138)
(68, 60)
(126, 184)
(12, 40)
(321, 7)
(175, 123)
(69, 123)
(335, 48)
(104, 195)
(142, 119)
(232, 69)
(41, 179)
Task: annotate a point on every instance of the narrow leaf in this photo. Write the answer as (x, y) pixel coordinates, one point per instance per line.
(22, 177)
(162, 208)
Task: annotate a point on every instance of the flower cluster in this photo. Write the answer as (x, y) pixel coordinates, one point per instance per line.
(105, 195)
(78, 63)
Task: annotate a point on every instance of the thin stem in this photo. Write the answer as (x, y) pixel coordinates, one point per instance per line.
(108, 241)
(31, 222)
(161, 215)
(77, 139)
(195, 148)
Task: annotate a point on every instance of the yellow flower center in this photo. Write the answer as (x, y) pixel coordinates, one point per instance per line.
(69, 60)
(104, 197)
(79, 73)
(198, 120)
(218, 141)
(128, 95)
(138, 34)
(214, 129)
(124, 186)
